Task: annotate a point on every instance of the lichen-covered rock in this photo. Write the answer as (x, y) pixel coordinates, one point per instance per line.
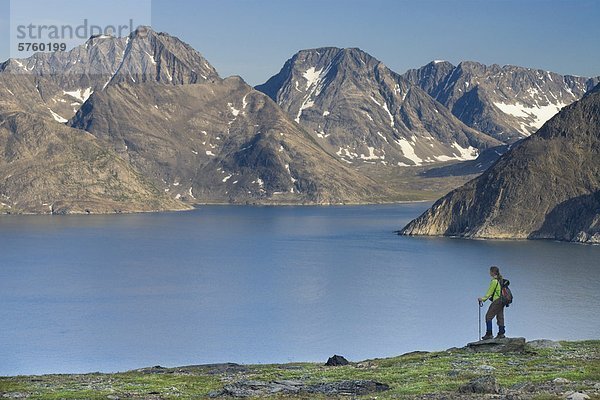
(506, 345)
(249, 388)
(484, 384)
(544, 344)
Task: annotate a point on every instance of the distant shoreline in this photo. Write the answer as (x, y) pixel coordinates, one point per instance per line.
(197, 206)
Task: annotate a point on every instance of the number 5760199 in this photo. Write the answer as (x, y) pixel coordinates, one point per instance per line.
(29, 46)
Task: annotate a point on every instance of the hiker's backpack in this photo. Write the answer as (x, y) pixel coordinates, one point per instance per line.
(505, 293)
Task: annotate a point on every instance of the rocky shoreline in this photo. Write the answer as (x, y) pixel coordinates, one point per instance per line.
(511, 369)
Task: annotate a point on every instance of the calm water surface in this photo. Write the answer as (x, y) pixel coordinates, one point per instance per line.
(266, 284)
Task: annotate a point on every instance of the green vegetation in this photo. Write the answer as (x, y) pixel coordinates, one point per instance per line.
(408, 376)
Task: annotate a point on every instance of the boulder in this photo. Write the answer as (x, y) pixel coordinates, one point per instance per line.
(506, 345)
(544, 344)
(336, 360)
(483, 384)
(577, 396)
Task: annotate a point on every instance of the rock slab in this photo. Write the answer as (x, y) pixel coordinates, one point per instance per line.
(577, 396)
(544, 344)
(249, 388)
(483, 384)
(506, 345)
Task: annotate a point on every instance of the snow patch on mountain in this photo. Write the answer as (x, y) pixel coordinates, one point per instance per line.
(535, 116)
(57, 117)
(313, 86)
(80, 94)
(387, 110)
(233, 110)
(465, 154)
(372, 155)
(312, 76)
(408, 151)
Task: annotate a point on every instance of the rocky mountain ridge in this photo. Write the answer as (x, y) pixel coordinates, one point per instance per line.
(363, 112)
(219, 142)
(546, 187)
(65, 80)
(506, 102)
(174, 133)
(159, 109)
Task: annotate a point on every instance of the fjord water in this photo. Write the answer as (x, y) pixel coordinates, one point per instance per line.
(266, 284)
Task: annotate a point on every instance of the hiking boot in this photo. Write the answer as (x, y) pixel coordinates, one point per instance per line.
(488, 336)
(500, 336)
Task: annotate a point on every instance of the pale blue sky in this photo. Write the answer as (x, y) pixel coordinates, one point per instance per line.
(253, 38)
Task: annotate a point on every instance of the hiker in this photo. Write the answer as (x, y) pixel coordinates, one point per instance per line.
(496, 308)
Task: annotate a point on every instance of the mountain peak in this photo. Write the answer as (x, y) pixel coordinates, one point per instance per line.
(142, 30)
(333, 55)
(160, 57)
(439, 63)
(365, 113)
(506, 102)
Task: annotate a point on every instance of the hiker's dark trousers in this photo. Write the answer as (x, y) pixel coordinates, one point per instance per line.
(496, 310)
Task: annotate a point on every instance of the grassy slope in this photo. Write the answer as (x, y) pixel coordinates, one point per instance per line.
(408, 183)
(409, 375)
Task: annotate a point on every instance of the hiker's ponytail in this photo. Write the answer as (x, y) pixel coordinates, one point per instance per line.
(496, 271)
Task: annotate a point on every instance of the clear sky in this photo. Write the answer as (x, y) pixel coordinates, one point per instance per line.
(253, 38)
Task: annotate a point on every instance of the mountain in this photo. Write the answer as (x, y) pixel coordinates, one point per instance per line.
(66, 79)
(508, 103)
(545, 187)
(161, 112)
(363, 112)
(219, 141)
(47, 167)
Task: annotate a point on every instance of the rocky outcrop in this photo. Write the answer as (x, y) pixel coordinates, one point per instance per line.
(363, 112)
(483, 384)
(545, 187)
(506, 345)
(508, 102)
(543, 344)
(246, 388)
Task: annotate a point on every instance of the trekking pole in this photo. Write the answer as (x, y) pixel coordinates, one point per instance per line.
(480, 305)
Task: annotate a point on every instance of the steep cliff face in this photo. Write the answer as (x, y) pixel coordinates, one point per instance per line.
(546, 187)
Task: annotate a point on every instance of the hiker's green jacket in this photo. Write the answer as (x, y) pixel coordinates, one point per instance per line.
(493, 291)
